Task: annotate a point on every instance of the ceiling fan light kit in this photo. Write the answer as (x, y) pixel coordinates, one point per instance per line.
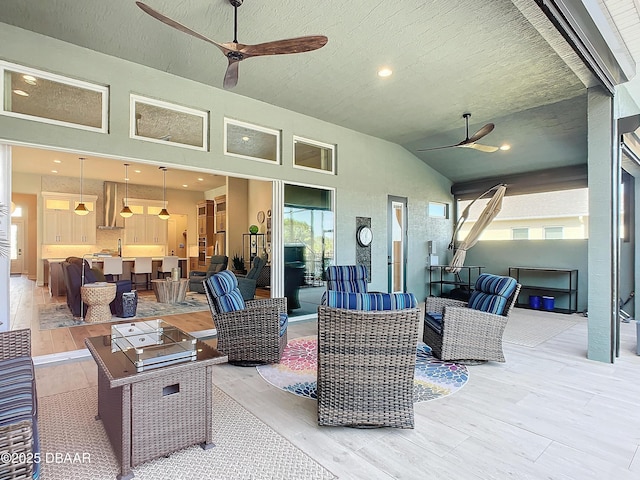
(470, 141)
(235, 51)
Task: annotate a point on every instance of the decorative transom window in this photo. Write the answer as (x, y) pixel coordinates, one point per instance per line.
(253, 142)
(49, 98)
(313, 155)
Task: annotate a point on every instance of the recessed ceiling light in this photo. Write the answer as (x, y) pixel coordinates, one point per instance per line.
(57, 161)
(201, 179)
(137, 171)
(22, 93)
(385, 72)
(30, 79)
(126, 179)
(185, 186)
(54, 171)
(505, 147)
(245, 139)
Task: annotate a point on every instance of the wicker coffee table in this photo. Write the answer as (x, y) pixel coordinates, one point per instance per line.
(155, 412)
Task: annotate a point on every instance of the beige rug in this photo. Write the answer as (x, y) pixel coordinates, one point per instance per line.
(530, 328)
(245, 447)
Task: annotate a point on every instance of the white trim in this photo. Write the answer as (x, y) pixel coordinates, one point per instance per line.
(258, 128)
(315, 143)
(204, 115)
(94, 87)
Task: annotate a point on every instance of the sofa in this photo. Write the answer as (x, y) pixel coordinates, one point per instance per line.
(18, 406)
(217, 264)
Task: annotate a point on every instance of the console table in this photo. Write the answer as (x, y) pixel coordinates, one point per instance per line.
(556, 282)
(439, 278)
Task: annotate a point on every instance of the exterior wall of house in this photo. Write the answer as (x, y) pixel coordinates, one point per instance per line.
(368, 168)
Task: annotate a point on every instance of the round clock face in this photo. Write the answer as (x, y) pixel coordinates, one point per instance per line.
(364, 236)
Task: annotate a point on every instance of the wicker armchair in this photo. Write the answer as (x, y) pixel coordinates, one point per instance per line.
(465, 334)
(363, 379)
(18, 406)
(253, 335)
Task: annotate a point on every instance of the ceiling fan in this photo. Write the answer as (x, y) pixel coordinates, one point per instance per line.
(236, 52)
(470, 142)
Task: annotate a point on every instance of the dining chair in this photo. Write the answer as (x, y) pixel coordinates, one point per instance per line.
(141, 266)
(167, 265)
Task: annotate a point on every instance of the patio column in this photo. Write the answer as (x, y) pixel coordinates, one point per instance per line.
(604, 207)
(5, 228)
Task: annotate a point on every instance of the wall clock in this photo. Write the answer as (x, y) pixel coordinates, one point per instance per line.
(364, 236)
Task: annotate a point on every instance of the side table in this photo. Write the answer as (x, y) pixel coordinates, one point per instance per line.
(98, 296)
(153, 413)
(170, 291)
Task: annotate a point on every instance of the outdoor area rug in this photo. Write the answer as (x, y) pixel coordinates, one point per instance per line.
(530, 328)
(297, 371)
(245, 447)
(58, 315)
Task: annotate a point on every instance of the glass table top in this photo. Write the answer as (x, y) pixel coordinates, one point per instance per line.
(141, 346)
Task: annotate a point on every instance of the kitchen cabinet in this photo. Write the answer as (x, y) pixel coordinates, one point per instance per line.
(62, 226)
(220, 214)
(144, 227)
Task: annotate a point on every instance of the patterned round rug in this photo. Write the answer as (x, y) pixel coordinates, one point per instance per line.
(296, 372)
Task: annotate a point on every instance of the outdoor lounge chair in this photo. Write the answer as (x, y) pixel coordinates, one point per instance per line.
(366, 359)
(250, 333)
(471, 331)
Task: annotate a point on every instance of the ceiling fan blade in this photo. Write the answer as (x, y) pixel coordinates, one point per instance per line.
(283, 47)
(486, 130)
(482, 148)
(438, 148)
(231, 76)
(178, 26)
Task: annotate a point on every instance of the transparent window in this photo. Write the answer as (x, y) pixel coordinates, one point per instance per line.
(313, 155)
(50, 98)
(438, 210)
(251, 141)
(564, 209)
(553, 233)
(520, 233)
(162, 122)
(308, 235)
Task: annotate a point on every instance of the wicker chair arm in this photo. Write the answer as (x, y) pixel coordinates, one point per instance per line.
(15, 343)
(438, 304)
(471, 320)
(263, 314)
(280, 303)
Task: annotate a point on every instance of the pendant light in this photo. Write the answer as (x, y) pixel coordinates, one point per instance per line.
(164, 215)
(126, 211)
(81, 209)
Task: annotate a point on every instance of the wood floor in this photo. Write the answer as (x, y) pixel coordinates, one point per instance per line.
(547, 413)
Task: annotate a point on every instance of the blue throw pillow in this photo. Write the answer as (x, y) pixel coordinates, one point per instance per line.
(225, 292)
(370, 301)
(491, 293)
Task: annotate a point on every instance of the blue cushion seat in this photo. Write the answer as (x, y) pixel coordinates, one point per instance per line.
(492, 293)
(226, 294)
(433, 320)
(371, 301)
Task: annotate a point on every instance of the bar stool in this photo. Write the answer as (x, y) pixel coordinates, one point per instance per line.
(168, 263)
(141, 266)
(112, 266)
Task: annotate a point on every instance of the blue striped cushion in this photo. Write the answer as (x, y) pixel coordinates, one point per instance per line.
(284, 321)
(433, 320)
(225, 292)
(371, 301)
(492, 293)
(348, 278)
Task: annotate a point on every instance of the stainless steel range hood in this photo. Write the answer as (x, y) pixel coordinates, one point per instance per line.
(111, 218)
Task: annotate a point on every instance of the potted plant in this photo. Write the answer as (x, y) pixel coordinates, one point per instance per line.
(238, 264)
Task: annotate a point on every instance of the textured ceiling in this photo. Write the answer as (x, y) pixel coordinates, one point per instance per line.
(448, 57)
